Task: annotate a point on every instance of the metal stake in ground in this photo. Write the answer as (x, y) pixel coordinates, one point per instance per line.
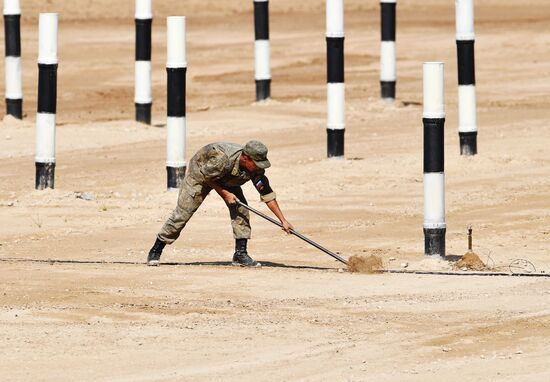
(143, 94)
(387, 50)
(336, 124)
(434, 155)
(47, 101)
(262, 50)
(12, 35)
(297, 234)
(465, 39)
(176, 68)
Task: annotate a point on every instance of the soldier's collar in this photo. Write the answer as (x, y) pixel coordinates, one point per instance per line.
(235, 171)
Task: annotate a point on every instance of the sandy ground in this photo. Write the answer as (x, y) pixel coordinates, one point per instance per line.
(97, 314)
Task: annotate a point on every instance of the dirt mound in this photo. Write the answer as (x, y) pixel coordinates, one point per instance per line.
(471, 262)
(432, 263)
(362, 264)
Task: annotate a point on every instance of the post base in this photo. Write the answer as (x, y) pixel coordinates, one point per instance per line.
(14, 107)
(45, 174)
(263, 90)
(434, 241)
(468, 143)
(174, 176)
(143, 113)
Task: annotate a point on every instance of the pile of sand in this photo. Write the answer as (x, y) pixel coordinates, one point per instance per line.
(470, 261)
(362, 264)
(432, 263)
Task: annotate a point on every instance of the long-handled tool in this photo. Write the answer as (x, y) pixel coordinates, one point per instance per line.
(309, 241)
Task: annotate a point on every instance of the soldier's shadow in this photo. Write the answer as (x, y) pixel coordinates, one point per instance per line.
(265, 264)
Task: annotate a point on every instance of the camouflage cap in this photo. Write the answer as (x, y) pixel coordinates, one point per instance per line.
(257, 151)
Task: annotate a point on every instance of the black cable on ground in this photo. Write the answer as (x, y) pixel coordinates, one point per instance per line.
(449, 273)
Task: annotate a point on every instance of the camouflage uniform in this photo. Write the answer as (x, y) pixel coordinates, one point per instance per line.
(218, 163)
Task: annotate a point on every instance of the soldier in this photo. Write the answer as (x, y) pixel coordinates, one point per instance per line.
(223, 167)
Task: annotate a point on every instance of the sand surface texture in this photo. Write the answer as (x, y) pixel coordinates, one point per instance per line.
(87, 309)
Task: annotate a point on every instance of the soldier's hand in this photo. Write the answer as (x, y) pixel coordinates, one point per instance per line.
(231, 199)
(287, 226)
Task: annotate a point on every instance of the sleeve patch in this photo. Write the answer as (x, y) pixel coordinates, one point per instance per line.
(262, 185)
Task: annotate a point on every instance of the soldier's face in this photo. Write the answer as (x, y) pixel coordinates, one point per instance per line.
(248, 164)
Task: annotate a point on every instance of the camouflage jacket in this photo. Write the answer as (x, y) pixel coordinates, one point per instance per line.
(219, 162)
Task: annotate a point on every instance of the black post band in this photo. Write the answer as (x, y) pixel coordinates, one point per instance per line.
(466, 65)
(176, 91)
(263, 90)
(434, 241)
(261, 20)
(468, 142)
(335, 59)
(12, 33)
(45, 175)
(387, 15)
(47, 88)
(387, 89)
(174, 176)
(335, 142)
(434, 154)
(14, 107)
(143, 39)
(143, 113)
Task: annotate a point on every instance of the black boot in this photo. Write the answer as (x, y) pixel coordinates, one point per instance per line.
(241, 258)
(154, 254)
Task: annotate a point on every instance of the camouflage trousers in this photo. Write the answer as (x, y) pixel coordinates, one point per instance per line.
(190, 198)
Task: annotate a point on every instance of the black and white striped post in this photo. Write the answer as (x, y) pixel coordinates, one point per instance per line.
(262, 50)
(12, 36)
(434, 157)
(143, 92)
(47, 101)
(176, 68)
(336, 124)
(465, 38)
(387, 50)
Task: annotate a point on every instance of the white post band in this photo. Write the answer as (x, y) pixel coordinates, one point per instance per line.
(262, 59)
(175, 142)
(14, 88)
(335, 18)
(336, 106)
(467, 108)
(434, 200)
(143, 82)
(464, 19)
(176, 49)
(11, 7)
(434, 90)
(47, 44)
(45, 138)
(144, 9)
(387, 61)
